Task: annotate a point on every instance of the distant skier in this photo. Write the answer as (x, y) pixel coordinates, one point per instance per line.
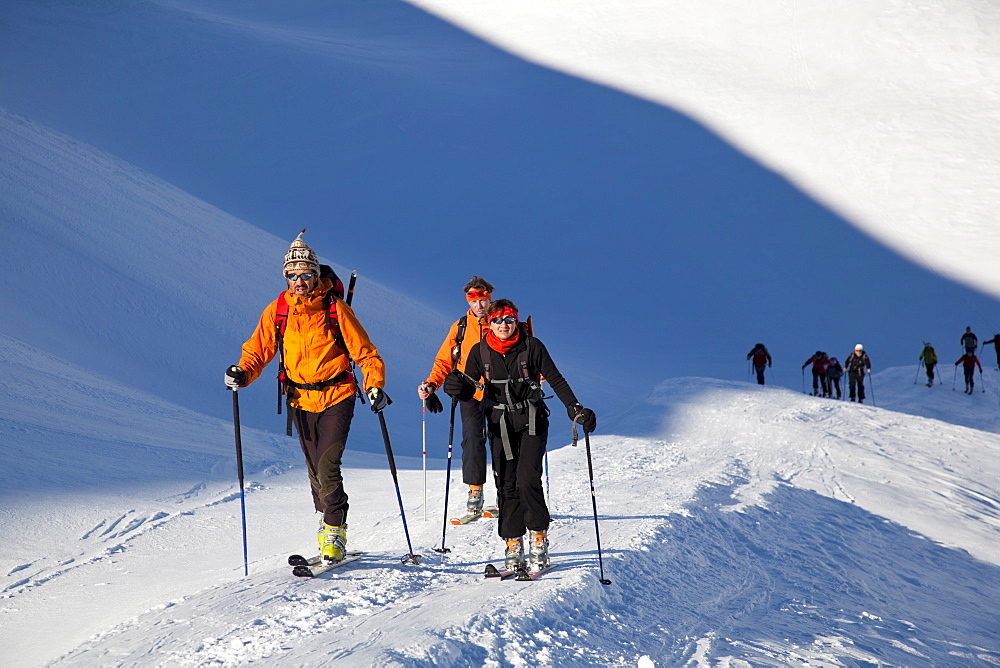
(996, 346)
(969, 341)
(833, 374)
(761, 359)
(969, 363)
(820, 362)
(465, 332)
(857, 365)
(319, 385)
(507, 364)
(929, 357)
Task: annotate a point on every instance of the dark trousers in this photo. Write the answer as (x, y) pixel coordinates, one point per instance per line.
(323, 437)
(519, 481)
(760, 373)
(834, 385)
(930, 371)
(856, 380)
(970, 376)
(473, 443)
(819, 380)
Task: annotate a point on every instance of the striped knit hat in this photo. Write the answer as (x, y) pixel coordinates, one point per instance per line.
(300, 256)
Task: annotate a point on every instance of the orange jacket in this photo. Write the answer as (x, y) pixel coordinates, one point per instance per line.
(442, 363)
(311, 353)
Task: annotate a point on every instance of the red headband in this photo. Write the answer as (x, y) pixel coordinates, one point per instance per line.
(473, 295)
(505, 311)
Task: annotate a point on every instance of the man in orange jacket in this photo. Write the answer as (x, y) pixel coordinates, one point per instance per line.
(465, 332)
(316, 351)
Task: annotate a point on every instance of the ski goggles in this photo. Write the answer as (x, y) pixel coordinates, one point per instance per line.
(473, 295)
(307, 276)
(505, 320)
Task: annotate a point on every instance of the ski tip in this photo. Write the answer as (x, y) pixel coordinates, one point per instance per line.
(491, 571)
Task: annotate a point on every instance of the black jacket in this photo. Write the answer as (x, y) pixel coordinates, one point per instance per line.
(856, 363)
(503, 367)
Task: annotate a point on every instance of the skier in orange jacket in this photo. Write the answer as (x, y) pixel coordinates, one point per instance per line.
(319, 383)
(464, 333)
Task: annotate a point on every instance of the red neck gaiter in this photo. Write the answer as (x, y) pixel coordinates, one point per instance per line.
(499, 345)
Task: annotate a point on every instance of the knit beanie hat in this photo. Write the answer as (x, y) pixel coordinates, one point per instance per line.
(300, 256)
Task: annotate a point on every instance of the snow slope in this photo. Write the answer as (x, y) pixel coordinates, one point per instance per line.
(694, 211)
(147, 151)
(737, 523)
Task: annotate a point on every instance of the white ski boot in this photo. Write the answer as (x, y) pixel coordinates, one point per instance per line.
(513, 557)
(538, 553)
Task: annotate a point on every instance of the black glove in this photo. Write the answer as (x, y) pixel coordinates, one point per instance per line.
(434, 404)
(586, 418)
(235, 377)
(379, 399)
(458, 386)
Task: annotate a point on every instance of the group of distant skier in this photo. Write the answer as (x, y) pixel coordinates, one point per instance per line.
(827, 371)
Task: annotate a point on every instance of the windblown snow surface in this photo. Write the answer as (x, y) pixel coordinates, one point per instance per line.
(739, 525)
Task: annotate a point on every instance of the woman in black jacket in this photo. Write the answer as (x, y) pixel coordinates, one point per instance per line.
(509, 365)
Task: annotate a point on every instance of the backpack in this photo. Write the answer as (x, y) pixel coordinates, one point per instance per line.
(332, 322)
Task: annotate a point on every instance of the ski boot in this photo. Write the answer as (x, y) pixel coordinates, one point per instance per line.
(335, 543)
(513, 557)
(321, 533)
(538, 554)
(474, 506)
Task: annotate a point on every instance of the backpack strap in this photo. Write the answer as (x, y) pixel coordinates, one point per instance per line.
(456, 352)
(533, 403)
(285, 384)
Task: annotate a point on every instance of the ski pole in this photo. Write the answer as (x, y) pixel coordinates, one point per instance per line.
(981, 382)
(447, 477)
(917, 374)
(239, 474)
(423, 419)
(593, 498)
(871, 384)
(749, 364)
(803, 380)
(412, 558)
(954, 378)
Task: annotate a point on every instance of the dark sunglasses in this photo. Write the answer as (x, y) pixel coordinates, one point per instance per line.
(305, 277)
(508, 320)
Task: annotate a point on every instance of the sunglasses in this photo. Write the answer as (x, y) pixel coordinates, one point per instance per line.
(305, 277)
(508, 320)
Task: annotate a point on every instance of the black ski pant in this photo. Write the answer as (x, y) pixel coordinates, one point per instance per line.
(323, 437)
(819, 380)
(834, 385)
(473, 443)
(760, 373)
(856, 383)
(970, 377)
(519, 481)
(930, 371)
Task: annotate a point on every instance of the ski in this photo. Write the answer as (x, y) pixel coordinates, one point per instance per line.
(524, 575)
(491, 512)
(495, 573)
(303, 567)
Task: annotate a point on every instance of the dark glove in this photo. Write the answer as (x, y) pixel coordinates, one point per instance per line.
(584, 416)
(235, 377)
(458, 386)
(379, 399)
(434, 404)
